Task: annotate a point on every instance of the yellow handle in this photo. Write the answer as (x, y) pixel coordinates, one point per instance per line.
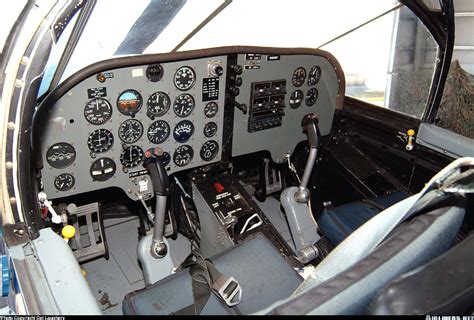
(68, 232)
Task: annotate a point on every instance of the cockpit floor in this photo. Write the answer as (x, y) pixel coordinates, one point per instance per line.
(110, 280)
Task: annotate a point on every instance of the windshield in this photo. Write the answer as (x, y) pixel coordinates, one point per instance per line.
(120, 27)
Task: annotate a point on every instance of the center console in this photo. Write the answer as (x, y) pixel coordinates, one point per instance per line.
(228, 215)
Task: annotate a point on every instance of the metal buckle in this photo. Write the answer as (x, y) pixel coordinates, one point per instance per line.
(229, 290)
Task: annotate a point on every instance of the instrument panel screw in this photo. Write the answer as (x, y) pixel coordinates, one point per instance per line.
(12, 200)
(11, 126)
(9, 165)
(19, 83)
(25, 60)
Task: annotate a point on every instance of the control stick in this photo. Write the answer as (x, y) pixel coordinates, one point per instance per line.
(303, 227)
(310, 126)
(159, 177)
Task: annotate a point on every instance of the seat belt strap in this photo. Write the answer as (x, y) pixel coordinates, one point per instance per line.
(206, 279)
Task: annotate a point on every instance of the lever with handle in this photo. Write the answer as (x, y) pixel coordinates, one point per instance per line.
(310, 126)
(159, 178)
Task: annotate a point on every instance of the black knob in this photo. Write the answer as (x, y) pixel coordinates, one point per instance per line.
(229, 202)
(218, 70)
(236, 80)
(237, 68)
(234, 91)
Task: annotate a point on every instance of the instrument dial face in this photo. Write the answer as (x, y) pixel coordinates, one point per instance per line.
(311, 97)
(165, 158)
(183, 155)
(299, 76)
(210, 110)
(183, 131)
(183, 105)
(209, 150)
(130, 131)
(296, 99)
(61, 155)
(154, 72)
(64, 182)
(158, 104)
(129, 102)
(314, 75)
(158, 132)
(210, 129)
(100, 140)
(102, 169)
(131, 156)
(184, 78)
(98, 111)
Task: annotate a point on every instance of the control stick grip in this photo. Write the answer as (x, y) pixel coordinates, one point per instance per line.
(159, 177)
(310, 126)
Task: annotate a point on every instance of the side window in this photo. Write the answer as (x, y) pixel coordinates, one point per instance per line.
(389, 62)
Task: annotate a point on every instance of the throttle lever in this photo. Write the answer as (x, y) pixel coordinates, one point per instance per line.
(161, 185)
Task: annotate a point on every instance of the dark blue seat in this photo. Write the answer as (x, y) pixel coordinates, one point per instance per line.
(337, 223)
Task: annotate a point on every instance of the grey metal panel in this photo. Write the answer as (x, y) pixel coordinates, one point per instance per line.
(445, 141)
(63, 274)
(283, 139)
(71, 107)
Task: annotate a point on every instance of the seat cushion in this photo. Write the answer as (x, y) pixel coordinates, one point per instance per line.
(337, 223)
(262, 272)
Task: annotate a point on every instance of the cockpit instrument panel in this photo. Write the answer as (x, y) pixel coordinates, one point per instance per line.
(95, 132)
(95, 142)
(279, 90)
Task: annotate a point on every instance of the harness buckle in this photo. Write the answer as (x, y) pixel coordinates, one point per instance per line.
(230, 292)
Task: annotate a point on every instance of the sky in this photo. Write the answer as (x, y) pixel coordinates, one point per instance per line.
(278, 23)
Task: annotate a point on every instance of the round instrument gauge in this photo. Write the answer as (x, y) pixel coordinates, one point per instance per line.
(158, 104)
(102, 169)
(100, 140)
(183, 131)
(296, 99)
(158, 131)
(299, 76)
(129, 102)
(210, 129)
(61, 155)
(154, 72)
(314, 75)
(184, 78)
(131, 156)
(311, 97)
(64, 182)
(130, 131)
(209, 150)
(183, 155)
(98, 111)
(210, 110)
(165, 158)
(183, 105)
